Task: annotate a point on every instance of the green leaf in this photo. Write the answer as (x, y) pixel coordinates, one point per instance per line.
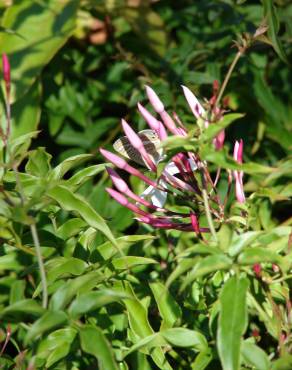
(95, 343)
(72, 287)
(85, 174)
(69, 163)
(254, 356)
(168, 308)
(283, 363)
(239, 242)
(126, 262)
(72, 202)
(257, 255)
(56, 345)
(38, 163)
(87, 302)
(50, 320)
(273, 28)
(107, 251)
(139, 324)
(26, 111)
(202, 360)
(206, 266)
(71, 227)
(29, 50)
(232, 321)
(24, 307)
(181, 337)
(213, 129)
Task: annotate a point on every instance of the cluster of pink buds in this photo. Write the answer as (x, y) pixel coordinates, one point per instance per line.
(180, 177)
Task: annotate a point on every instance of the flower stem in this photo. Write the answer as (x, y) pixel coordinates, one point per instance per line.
(208, 214)
(228, 75)
(40, 263)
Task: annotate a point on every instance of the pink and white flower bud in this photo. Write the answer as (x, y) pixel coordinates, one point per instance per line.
(193, 102)
(122, 186)
(153, 123)
(122, 164)
(124, 202)
(154, 100)
(219, 140)
(238, 175)
(138, 144)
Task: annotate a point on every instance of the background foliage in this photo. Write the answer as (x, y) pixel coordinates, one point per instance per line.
(168, 300)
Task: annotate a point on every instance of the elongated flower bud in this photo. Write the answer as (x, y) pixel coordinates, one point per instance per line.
(154, 100)
(124, 202)
(138, 144)
(238, 175)
(193, 102)
(122, 186)
(195, 222)
(6, 69)
(122, 164)
(153, 123)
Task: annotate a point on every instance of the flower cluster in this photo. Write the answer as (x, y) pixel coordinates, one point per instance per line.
(185, 176)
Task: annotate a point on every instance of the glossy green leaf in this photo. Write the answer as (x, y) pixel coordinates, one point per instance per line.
(212, 130)
(253, 355)
(50, 320)
(88, 302)
(95, 343)
(206, 266)
(72, 202)
(168, 308)
(69, 163)
(122, 263)
(140, 326)
(202, 360)
(85, 174)
(24, 307)
(182, 337)
(72, 287)
(106, 250)
(71, 227)
(38, 162)
(257, 255)
(29, 49)
(56, 345)
(232, 322)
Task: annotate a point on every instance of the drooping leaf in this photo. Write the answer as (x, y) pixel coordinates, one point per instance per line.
(72, 202)
(95, 343)
(232, 322)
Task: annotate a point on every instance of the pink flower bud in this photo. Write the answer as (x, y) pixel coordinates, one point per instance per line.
(154, 100)
(257, 269)
(238, 157)
(193, 102)
(137, 143)
(195, 223)
(153, 123)
(169, 123)
(124, 202)
(6, 69)
(219, 140)
(122, 164)
(122, 186)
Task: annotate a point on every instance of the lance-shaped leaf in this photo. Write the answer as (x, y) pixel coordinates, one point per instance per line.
(232, 322)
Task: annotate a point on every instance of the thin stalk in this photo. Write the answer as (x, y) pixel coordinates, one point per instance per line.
(40, 263)
(208, 214)
(228, 75)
